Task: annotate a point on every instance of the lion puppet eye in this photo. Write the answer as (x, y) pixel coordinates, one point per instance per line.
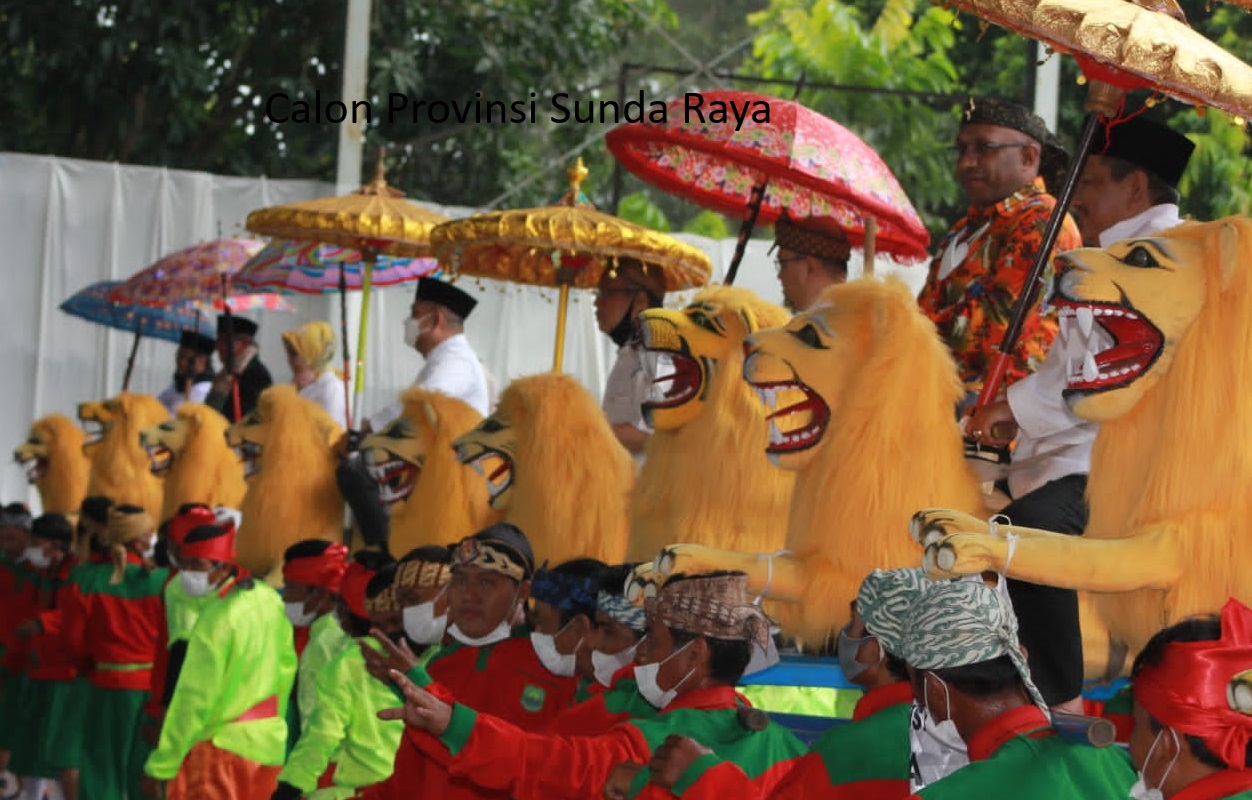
(704, 321)
(490, 425)
(1140, 256)
(809, 336)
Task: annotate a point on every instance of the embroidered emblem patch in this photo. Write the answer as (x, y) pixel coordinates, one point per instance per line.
(533, 697)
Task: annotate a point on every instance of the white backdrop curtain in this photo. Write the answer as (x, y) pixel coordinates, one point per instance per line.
(69, 223)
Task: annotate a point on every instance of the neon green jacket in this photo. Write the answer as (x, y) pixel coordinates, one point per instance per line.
(326, 641)
(182, 610)
(345, 729)
(241, 662)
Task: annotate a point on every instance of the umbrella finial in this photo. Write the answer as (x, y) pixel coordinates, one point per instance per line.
(379, 186)
(577, 173)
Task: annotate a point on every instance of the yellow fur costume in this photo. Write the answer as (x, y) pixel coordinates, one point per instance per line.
(191, 453)
(860, 391)
(707, 479)
(55, 463)
(286, 445)
(555, 469)
(436, 499)
(120, 468)
(1171, 470)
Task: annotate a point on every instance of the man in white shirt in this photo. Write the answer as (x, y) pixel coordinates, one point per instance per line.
(435, 328)
(809, 260)
(1128, 188)
(623, 295)
(193, 371)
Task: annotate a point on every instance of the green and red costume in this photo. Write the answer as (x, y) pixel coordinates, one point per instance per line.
(1229, 784)
(598, 708)
(505, 679)
(113, 632)
(504, 759)
(1019, 753)
(17, 604)
(868, 758)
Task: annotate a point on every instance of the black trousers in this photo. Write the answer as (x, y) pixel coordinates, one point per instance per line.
(1047, 616)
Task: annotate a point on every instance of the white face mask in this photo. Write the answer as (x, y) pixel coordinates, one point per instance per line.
(36, 557)
(500, 633)
(296, 614)
(421, 625)
(1140, 790)
(414, 327)
(936, 749)
(646, 675)
(562, 665)
(195, 584)
(150, 550)
(606, 665)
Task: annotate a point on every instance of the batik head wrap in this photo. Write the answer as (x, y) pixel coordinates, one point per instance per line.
(715, 606)
(803, 237)
(958, 623)
(884, 600)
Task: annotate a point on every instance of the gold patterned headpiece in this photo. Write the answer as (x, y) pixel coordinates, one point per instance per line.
(418, 574)
(715, 606)
(491, 554)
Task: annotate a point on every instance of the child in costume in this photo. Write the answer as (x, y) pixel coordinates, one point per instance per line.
(868, 758)
(225, 734)
(970, 676)
(112, 623)
(312, 573)
(481, 659)
(344, 730)
(1192, 688)
(17, 603)
(701, 630)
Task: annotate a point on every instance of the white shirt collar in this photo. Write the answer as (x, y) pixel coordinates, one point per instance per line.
(1145, 223)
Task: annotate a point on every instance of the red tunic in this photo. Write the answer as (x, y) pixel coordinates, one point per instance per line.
(605, 708)
(505, 680)
(1229, 784)
(18, 603)
(49, 659)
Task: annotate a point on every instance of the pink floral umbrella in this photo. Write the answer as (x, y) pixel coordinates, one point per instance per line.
(196, 273)
(316, 268)
(810, 166)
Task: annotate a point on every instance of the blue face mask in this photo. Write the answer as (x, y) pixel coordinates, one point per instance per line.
(847, 648)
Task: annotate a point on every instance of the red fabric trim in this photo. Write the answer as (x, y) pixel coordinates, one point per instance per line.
(266, 709)
(875, 700)
(1014, 722)
(352, 588)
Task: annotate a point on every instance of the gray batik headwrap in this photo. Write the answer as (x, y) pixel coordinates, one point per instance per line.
(958, 623)
(884, 600)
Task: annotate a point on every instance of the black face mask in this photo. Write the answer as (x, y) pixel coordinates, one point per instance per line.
(624, 330)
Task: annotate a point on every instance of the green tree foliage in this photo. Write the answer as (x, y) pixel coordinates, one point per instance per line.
(708, 224)
(638, 208)
(183, 83)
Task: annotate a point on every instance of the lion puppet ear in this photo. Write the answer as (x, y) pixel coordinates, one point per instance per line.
(432, 416)
(1228, 251)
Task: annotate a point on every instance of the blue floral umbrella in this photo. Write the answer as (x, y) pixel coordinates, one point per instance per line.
(166, 323)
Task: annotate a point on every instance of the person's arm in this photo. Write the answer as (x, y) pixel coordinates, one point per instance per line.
(194, 704)
(1037, 401)
(199, 392)
(631, 437)
(326, 728)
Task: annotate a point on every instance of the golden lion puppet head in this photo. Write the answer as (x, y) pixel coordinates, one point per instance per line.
(55, 463)
(684, 349)
(280, 407)
(396, 455)
(167, 441)
(1125, 310)
(839, 355)
(97, 418)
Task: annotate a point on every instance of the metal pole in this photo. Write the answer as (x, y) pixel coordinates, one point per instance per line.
(616, 197)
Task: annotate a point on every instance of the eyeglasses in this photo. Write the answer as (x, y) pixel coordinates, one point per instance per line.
(779, 261)
(983, 149)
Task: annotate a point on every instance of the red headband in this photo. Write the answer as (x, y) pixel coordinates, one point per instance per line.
(324, 571)
(355, 579)
(1193, 690)
(182, 524)
(220, 548)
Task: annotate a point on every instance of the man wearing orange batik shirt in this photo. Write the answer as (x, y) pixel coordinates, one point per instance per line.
(1002, 152)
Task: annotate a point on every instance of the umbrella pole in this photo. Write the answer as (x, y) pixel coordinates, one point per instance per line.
(558, 354)
(1030, 290)
(745, 231)
(343, 334)
(371, 255)
(229, 361)
(871, 237)
(130, 361)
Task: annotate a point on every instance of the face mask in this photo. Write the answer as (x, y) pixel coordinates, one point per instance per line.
(36, 557)
(413, 329)
(150, 550)
(562, 665)
(296, 614)
(936, 749)
(195, 584)
(1140, 790)
(422, 626)
(606, 665)
(624, 331)
(500, 633)
(848, 648)
(646, 675)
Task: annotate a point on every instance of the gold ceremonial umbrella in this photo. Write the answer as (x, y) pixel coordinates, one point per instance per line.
(1130, 46)
(563, 245)
(375, 220)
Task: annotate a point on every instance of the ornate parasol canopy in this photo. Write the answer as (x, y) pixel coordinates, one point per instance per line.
(195, 274)
(563, 245)
(1130, 46)
(374, 220)
(312, 268)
